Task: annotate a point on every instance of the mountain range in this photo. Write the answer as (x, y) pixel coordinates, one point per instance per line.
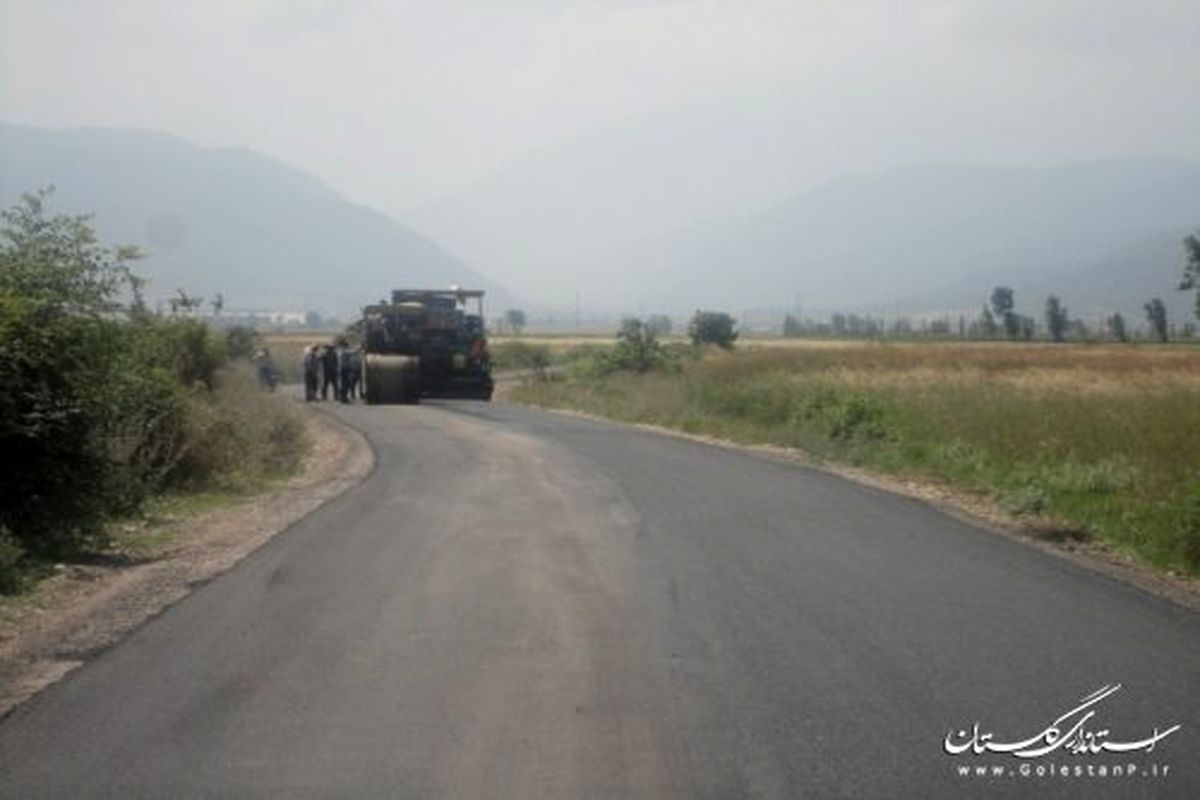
(264, 234)
(1104, 235)
(589, 216)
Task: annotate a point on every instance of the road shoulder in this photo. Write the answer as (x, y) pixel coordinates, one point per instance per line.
(86, 609)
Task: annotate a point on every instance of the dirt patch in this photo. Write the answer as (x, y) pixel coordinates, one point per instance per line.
(979, 510)
(87, 608)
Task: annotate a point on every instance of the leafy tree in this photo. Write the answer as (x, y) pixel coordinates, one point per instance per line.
(637, 347)
(1057, 319)
(218, 304)
(94, 411)
(184, 303)
(659, 324)
(1156, 315)
(1191, 268)
(516, 320)
(1116, 327)
(712, 327)
(61, 351)
(1003, 305)
(56, 266)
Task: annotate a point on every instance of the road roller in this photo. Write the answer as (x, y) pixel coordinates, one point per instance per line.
(426, 343)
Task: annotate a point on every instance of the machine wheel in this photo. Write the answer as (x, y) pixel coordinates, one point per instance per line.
(392, 379)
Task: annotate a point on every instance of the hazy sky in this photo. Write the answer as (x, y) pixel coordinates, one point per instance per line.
(399, 104)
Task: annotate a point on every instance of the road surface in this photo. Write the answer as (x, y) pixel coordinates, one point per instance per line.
(522, 604)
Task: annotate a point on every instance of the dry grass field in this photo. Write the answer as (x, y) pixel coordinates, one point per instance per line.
(287, 351)
(1094, 440)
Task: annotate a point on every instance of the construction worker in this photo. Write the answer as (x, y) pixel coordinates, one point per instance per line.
(356, 368)
(329, 372)
(345, 372)
(312, 373)
(265, 368)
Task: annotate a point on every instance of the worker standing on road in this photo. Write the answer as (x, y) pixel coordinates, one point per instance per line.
(356, 365)
(312, 373)
(345, 372)
(329, 372)
(265, 368)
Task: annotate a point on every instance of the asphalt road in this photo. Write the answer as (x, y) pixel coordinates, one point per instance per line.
(521, 604)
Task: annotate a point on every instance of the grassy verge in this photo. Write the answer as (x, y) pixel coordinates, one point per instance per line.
(1091, 441)
(236, 442)
(540, 354)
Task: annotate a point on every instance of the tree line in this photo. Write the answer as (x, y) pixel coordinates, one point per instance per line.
(999, 318)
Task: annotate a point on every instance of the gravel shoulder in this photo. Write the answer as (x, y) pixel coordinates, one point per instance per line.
(88, 608)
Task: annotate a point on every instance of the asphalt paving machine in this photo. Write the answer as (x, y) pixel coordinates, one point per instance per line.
(426, 343)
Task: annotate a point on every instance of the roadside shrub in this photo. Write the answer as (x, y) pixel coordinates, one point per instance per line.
(241, 342)
(712, 327)
(104, 403)
(522, 356)
(856, 417)
(185, 347)
(59, 351)
(637, 350)
(234, 436)
(11, 552)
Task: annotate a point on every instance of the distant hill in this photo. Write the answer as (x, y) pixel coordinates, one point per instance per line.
(643, 219)
(265, 234)
(1104, 235)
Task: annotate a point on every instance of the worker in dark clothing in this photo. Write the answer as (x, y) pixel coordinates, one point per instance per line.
(356, 373)
(329, 372)
(312, 373)
(265, 368)
(350, 361)
(345, 372)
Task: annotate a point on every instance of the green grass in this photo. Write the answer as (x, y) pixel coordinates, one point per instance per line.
(517, 354)
(1087, 441)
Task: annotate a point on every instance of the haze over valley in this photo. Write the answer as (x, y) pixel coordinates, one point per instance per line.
(587, 160)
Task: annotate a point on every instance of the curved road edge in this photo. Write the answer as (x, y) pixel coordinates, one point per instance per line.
(80, 614)
(1094, 555)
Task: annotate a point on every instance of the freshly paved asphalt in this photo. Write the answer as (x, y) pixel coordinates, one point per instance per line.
(521, 604)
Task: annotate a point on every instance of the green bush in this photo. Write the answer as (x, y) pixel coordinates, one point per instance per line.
(241, 342)
(105, 403)
(637, 350)
(11, 553)
(712, 327)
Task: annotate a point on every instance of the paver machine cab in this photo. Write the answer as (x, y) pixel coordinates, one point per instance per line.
(426, 343)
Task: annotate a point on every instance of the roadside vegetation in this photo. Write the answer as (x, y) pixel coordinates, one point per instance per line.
(1082, 441)
(108, 406)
